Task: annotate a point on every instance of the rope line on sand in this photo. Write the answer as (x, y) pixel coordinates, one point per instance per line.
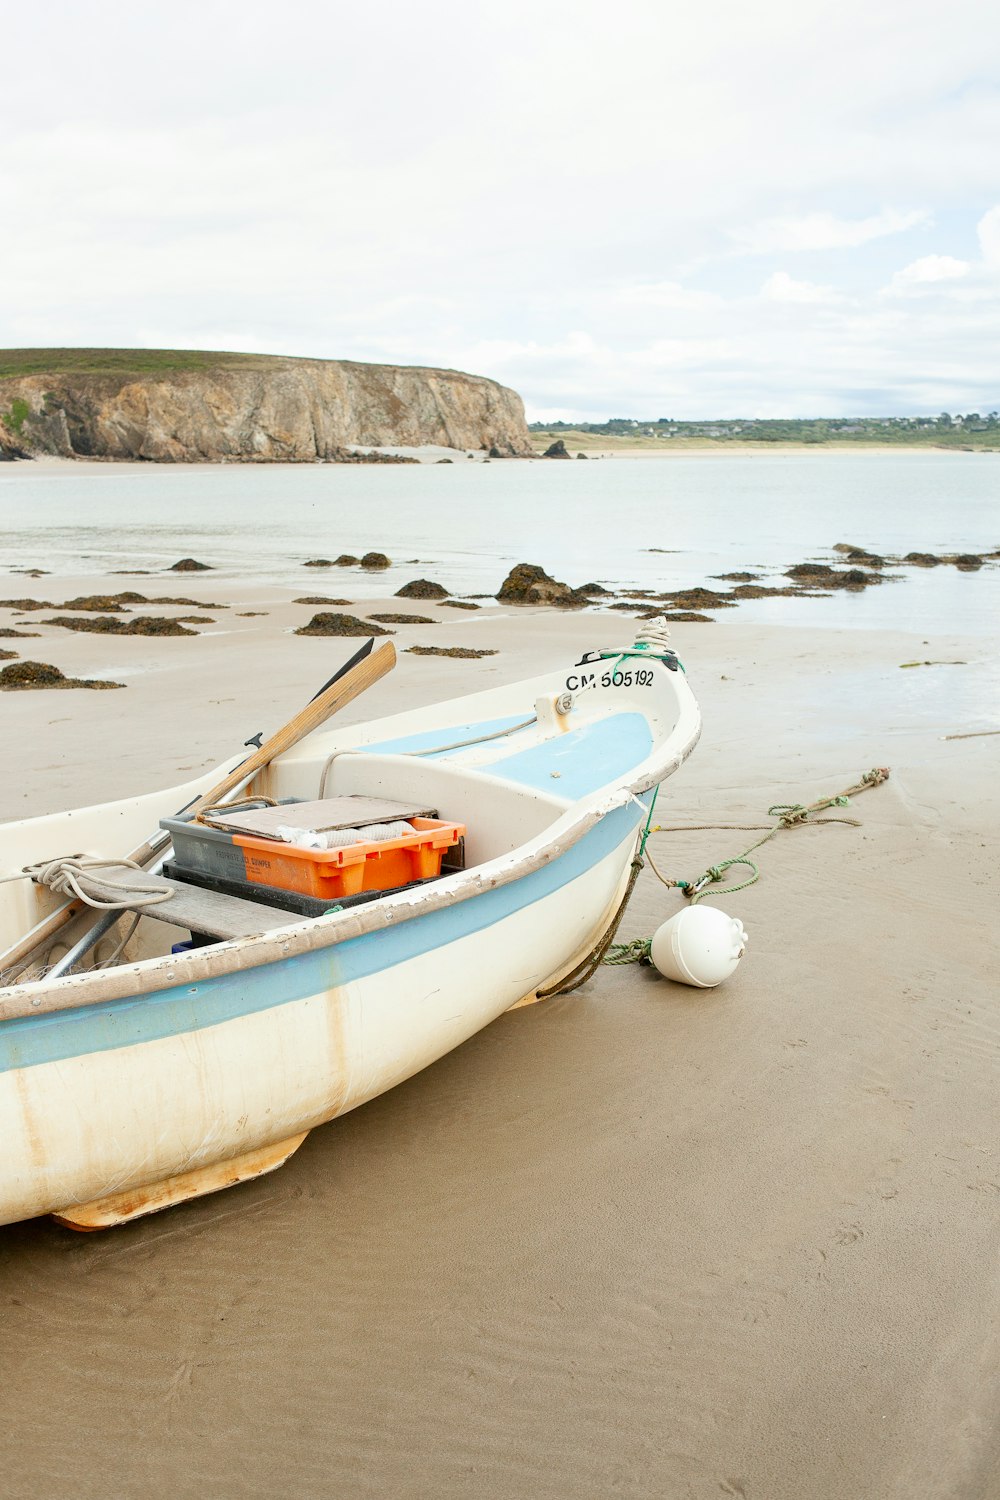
(788, 815)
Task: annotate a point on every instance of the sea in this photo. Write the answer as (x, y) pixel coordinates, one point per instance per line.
(657, 523)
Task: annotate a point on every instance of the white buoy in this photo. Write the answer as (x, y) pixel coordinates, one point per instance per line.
(699, 945)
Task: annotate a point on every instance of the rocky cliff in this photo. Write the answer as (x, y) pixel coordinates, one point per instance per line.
(192, 407)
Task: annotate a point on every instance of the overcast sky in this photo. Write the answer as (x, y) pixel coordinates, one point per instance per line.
(633, 208)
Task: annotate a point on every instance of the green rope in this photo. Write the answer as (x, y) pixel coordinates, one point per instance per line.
(635, 952)
(694, 891)
(640, 653)
(648, 830)
(788, 814)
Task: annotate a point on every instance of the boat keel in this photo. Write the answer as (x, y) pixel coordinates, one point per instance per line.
(121, 1208)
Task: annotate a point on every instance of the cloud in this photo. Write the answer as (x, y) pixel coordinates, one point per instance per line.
(928, 272)
(988, 230)
(824, 231)
(669, 294)
(574, 347)
(456, 197)
(685, 354)
(784, 288)
(949, 276)
(873, 358)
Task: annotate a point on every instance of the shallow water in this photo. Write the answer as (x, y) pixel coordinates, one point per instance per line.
(709, 513)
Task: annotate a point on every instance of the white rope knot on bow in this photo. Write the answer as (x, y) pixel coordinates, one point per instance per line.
(72, 875)
(654, 636)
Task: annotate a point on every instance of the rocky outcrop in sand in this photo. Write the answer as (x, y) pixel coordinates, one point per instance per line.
(256, 408)
(527, 583)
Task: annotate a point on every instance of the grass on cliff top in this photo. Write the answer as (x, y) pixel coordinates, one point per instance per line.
(15, 363)
(19, 362)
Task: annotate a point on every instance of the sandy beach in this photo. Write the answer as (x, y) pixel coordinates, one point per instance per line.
(641, 1240)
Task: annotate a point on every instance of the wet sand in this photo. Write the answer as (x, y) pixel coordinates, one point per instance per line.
(642, 1240)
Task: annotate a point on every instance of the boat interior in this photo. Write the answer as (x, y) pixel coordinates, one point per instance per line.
(505, 765)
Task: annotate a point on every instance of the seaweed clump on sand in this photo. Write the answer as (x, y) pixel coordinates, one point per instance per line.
(464, 653)
(807, 571)
(422, 588)
(855, 554)
(856, 578)
(180, 599)
(404, 619)
(677, 616)
(324, 624)
(8, 655)
(458, 604)
(699, 599)
(105, 603)
(102, 603)
(370, 456)
(761, 591)
(108, 625)
(25, 675)
(821, 575)
(10, 634)
(321, 599)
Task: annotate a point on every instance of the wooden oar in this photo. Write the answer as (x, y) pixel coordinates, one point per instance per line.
(284, 739)
(361, 672)
(340, 691)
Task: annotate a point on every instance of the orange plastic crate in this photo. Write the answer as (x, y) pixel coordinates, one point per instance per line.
(329, 873)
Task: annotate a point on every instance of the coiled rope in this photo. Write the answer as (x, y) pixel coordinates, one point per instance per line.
(654, 636)
(72, 875)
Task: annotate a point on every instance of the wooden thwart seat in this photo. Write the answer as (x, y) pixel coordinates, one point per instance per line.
(198, 910)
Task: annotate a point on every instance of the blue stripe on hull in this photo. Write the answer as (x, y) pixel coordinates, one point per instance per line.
(171, 1012)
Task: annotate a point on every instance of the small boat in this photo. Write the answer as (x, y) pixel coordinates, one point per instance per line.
(155, 1076)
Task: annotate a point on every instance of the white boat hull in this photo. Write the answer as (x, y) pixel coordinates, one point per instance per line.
(126, 1089)
(104, 1123)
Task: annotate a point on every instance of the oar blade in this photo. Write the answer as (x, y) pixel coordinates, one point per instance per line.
(359, 656)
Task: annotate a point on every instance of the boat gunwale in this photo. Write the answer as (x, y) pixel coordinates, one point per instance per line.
(169, 971)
